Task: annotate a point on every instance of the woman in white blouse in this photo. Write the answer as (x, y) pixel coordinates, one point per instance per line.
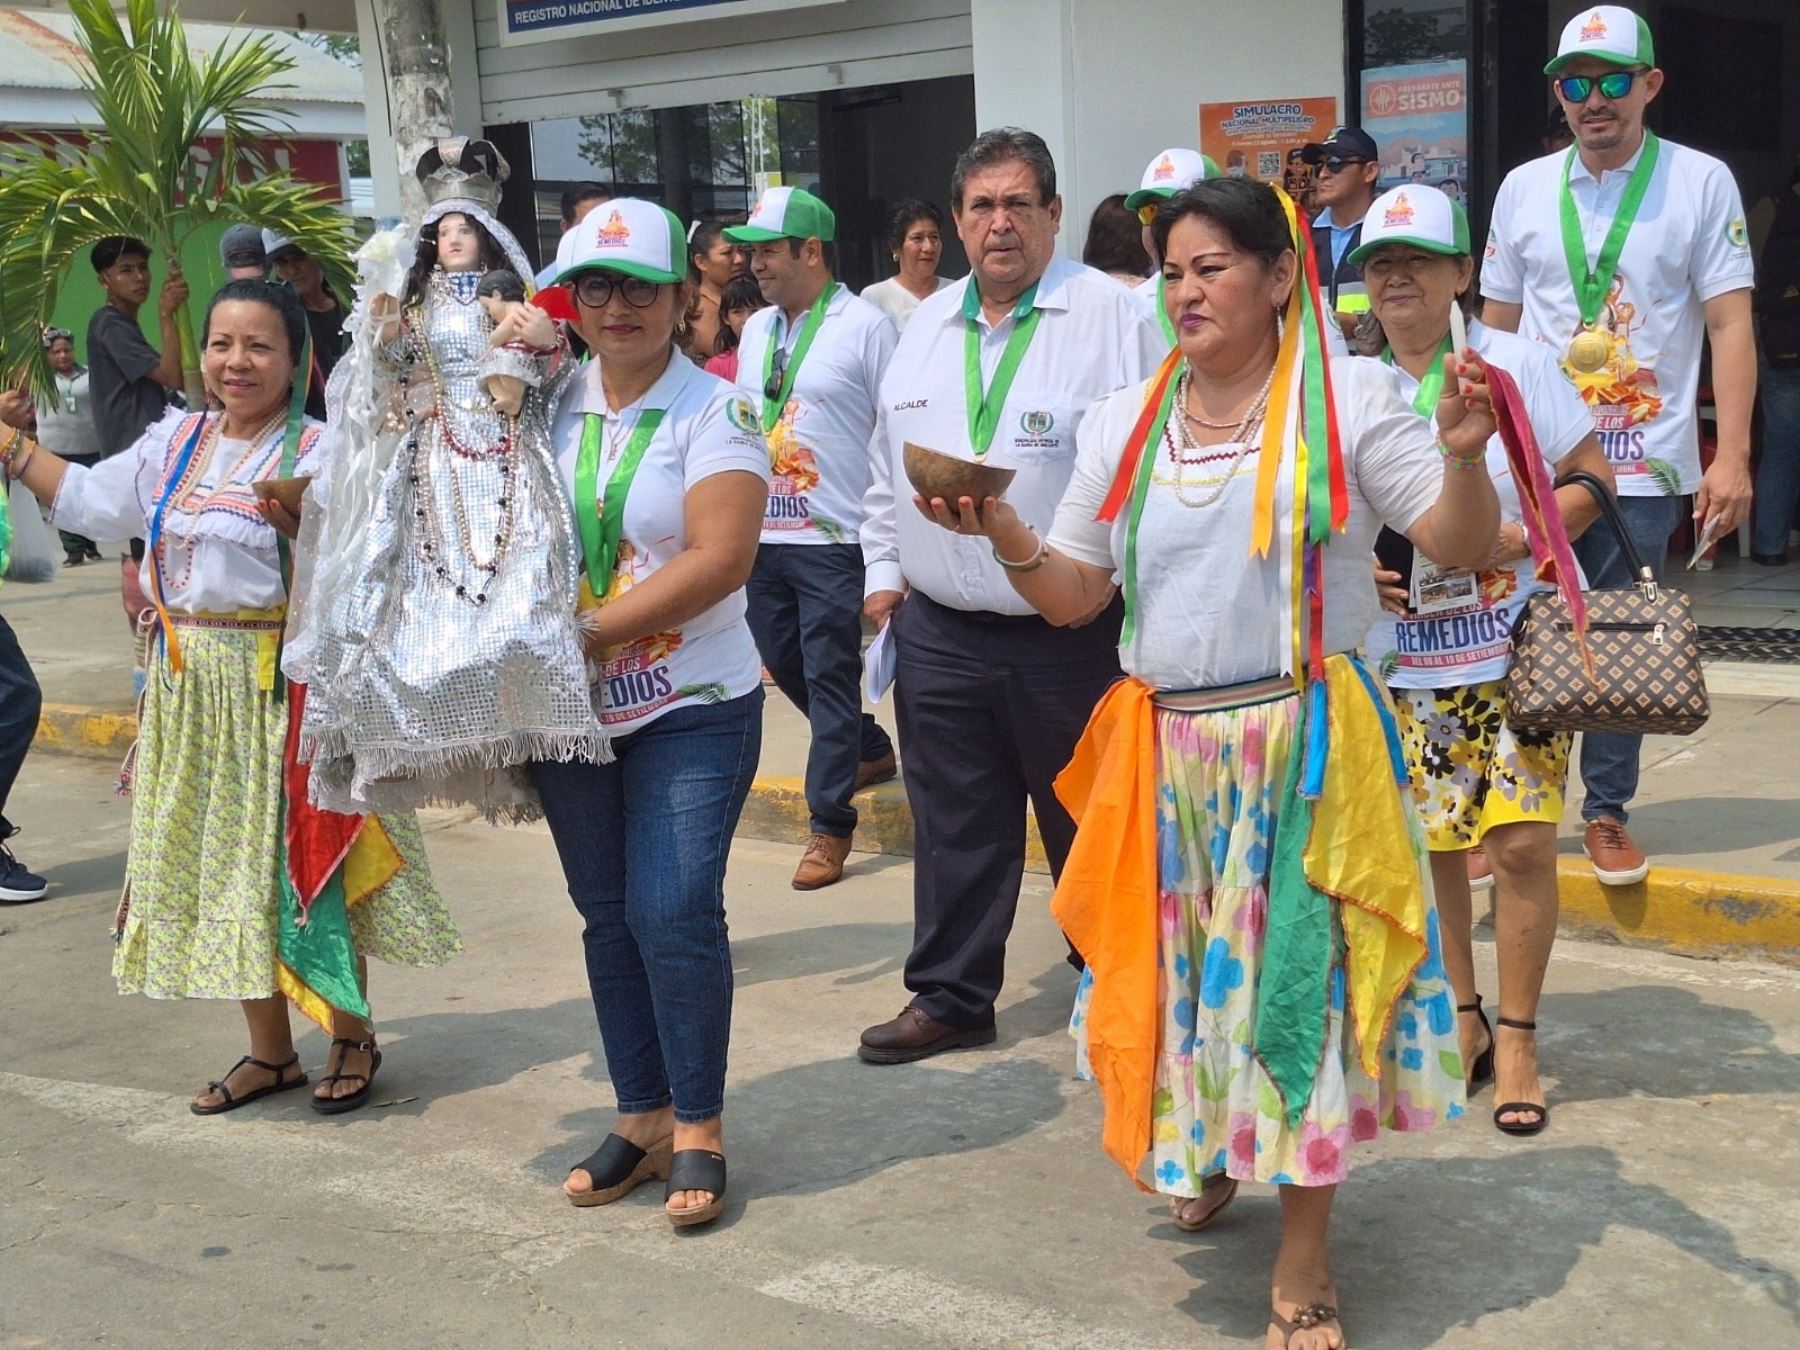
(915, 240)
(207, 911)
(668, 476)
(1247, 884)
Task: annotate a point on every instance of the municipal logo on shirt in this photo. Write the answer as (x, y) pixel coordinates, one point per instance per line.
(741, 415)
(1036, 423)
(1737, 234)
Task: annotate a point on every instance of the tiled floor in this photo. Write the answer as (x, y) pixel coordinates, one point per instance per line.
(1739, 594)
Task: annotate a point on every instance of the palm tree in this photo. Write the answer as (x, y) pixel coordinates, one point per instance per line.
(137, 174)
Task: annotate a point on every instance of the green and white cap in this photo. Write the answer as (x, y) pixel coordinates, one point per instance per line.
(627, 235)
(1414, 214)
(1171, 171)
(1608, 33)
(785, 213)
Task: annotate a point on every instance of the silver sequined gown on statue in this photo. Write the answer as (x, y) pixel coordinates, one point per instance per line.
(452, 659)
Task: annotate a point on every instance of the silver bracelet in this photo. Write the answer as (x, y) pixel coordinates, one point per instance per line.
(1031, 564)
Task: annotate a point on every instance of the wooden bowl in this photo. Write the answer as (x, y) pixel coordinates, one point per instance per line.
(935, 474)
(287, 491)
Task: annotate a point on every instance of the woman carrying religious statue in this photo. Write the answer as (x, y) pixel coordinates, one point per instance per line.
(437, 634)
(1248, 881)
(234, 887)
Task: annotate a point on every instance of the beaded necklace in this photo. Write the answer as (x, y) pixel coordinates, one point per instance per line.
(186, 499)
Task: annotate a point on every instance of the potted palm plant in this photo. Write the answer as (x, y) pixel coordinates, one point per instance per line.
(154, 101)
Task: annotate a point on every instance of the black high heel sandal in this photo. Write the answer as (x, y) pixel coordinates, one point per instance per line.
(1481, 1072)
(1520, 1127)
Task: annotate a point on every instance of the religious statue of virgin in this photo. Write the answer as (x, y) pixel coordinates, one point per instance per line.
(437, 579)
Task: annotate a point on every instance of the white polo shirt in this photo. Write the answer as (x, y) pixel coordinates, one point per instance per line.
(1462, 631)
(708, 427)
(1688, 245)
(819, 449)
(1095, 336)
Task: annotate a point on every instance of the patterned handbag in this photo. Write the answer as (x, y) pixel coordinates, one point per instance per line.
(1646, 659)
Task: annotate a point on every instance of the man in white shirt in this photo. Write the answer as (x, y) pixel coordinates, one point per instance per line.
(812, 364)
(991, 699)
(1623, 254)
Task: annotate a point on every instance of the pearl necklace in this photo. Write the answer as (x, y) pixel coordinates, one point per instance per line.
(1180, 442)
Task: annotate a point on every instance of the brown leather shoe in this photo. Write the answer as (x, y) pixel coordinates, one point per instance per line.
(912, 1035)
(872, 771)
(823, 862)
(1617, 861)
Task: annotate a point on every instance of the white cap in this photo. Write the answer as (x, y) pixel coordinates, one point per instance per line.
(274, 243)
(1174, 169)
(1608, 33)
(626, 235)
(1416, 214)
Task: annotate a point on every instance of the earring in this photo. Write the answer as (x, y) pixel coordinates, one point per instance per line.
(1280, 327)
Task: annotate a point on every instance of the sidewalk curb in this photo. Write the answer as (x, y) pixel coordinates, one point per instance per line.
(1712, 915)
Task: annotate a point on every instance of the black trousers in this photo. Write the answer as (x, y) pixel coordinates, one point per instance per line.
(990, 709)
(20, 701)
(78, 545)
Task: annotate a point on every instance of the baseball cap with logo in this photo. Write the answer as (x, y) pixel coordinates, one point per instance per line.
(1414, 214)
(785, 213)
(1174, 169)
(1609, 33)
(627, 235)
(1345, 143)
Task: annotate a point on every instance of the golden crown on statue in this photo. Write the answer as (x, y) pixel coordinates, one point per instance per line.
(459, 169)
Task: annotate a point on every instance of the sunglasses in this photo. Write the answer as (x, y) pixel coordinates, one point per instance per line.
(595, 290)
(1338, 163)
(1615, 84)
(777, 373)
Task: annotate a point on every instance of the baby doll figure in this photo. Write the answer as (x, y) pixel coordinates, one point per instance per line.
(501, 296)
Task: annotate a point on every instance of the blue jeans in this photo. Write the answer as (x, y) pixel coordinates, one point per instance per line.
(806, 616)
(1609, 761)
(20, 701)
(1778, 475)
(643, 843)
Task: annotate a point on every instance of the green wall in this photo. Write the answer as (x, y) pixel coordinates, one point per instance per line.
(80, 294)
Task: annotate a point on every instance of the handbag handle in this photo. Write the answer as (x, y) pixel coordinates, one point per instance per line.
(1609, 508)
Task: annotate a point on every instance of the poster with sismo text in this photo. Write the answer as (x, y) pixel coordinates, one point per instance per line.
(1419, 117)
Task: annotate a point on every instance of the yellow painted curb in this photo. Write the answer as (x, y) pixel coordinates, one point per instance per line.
(1708, 914)
(83, 731)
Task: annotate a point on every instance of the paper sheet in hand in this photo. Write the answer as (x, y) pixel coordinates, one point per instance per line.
(879, 663)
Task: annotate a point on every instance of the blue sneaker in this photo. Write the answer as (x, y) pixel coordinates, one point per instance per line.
(18, 884)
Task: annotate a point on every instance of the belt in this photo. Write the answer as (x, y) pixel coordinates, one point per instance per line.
(244, 621)
(1269, 690)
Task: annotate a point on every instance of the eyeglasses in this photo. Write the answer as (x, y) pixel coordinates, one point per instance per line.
(1338, 163)
(1146, 213)
(595, 290)
(777, 373)
(1613, 85)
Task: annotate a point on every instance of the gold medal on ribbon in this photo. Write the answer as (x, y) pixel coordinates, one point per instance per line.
(1589, 350)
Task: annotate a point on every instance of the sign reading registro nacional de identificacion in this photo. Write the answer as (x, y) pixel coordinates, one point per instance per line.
(542, 20)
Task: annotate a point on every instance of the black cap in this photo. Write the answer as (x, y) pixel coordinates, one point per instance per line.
(1346, 143)
(242, 246)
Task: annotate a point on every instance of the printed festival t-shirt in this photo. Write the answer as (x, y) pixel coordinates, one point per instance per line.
(708, 427)
(819, 447)
(1688, 245)
(1462, 631)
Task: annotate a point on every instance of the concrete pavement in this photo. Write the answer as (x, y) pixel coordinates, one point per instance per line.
(959, 1202)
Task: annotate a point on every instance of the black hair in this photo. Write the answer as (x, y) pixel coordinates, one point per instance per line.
(827, 250)
(503, 282)
(281, 299)
(109, 250)
(1005, 145)
(577, 193)
(909, 212)
(1248, 211)
(739, 293)
(1115, 239)
(426, 260)
(701, 239)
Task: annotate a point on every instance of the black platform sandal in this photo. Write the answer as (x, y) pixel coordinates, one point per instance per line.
(696, 1169)
(336, 1106)
(1481, 1072)
(1520, 1127)
(617, 1168)
(232, 1103)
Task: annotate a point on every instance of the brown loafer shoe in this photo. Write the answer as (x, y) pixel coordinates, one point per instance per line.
(823, 862)
(1617, 861)
(872, 771)
(912, 1035)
